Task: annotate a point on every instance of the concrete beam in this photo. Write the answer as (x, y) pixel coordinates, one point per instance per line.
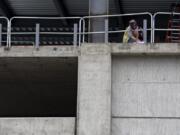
(44, 51)
(145, 126)
(119, 10)
(94, 92)
(146, 49)
(71, 51)
(61, 8)
(37, 126)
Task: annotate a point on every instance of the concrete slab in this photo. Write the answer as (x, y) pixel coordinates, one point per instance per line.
(72, 51)
(37, 126)
(145, 126)
(146, 49)
(43, 51)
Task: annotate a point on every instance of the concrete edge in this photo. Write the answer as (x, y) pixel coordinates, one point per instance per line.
(148, 49)
(43, 51)
(92, 49)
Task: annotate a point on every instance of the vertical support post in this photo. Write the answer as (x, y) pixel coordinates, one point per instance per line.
(97, 7)
(94, 90)
(0, 34)
(37, 35)
(75, 35)
(145, 30)
(106, 31)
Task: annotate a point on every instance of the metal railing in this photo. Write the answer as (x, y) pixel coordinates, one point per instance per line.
(107, 32)
(160, 29)
(79, 31)
(37, 32)
(1, 30)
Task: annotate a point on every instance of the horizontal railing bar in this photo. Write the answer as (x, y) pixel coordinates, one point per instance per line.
(167, 29)
(102, 32)
(45, 18)
(120, 31)
(118, 15)
(46, 33)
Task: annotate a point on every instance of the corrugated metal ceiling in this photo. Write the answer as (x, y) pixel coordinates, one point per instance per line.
(33, 7)
(77, 7)
(130, 6)
(80, 7)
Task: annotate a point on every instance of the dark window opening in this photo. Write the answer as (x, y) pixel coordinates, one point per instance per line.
(38, 87)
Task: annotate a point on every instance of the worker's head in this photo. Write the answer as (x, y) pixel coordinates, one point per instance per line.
(133, 24)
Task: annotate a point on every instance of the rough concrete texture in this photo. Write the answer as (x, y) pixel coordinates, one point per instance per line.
(37, 126)
(145, 95)
(146, 49)
(145, 126)
(74, 51)
(146, 86)
(94, 93)
(43, 51)
(145, 90)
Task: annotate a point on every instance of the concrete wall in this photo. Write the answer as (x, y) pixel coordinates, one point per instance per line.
(145, 92)
(37, 126)
(145, 95)
(144, 82)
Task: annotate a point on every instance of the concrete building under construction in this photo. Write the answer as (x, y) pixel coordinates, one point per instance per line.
(65, 71)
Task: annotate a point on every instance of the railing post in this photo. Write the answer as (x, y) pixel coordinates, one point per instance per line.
(145, 30)
(37, 35)
(106, 31)
(0, 34)
(84, 27)
(153, 29)
(75, 35)
(9, 34)
(80, 32)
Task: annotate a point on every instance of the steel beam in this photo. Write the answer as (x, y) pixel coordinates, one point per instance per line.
(61, 8)
(119, 10)
(5, 9)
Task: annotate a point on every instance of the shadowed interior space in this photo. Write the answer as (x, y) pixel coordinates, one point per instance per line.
(38, 87)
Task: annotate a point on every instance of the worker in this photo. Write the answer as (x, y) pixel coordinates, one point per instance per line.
(131, 35)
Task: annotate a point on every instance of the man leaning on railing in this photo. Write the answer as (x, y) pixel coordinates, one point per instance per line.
(132, 35)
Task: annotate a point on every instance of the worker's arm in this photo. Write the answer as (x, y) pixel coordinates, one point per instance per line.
(135, 35)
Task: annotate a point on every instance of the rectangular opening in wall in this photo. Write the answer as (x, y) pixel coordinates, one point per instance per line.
(38, 87)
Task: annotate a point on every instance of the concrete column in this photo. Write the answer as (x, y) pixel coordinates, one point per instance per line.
(98, 7)
(94, 91)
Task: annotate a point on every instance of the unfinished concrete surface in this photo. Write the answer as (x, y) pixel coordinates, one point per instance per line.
(145, 83)
(43, 51)
(145, 95)
(146, 86)
(37, 126)
(94, 93)
(140, 126)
